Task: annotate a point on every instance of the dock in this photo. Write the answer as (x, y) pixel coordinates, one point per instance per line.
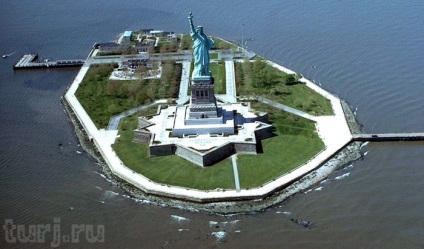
(29, 61)
(388, 137)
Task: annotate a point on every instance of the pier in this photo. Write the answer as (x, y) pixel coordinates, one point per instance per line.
(29, 61)
(388, 137)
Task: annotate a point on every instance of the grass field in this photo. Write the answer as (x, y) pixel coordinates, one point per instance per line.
(296, 95)
(218, 72)
(295, 143)
(171, 170)
(102, 98)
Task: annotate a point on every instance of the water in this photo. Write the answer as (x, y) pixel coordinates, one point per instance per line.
(369, 53)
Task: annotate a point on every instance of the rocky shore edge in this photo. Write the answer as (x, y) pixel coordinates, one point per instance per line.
(343, 157)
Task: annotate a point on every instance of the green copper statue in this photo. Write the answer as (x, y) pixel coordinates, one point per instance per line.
(201, 46)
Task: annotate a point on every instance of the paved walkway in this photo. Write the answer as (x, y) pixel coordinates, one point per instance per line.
(236, 176)
(287, 108)
(184, 83)
(114, 121)
(230, 82)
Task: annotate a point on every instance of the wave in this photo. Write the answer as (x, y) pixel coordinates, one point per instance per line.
(342, 176)
(220, 235)
(179, 218)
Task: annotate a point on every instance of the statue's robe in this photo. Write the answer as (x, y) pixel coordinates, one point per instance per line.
(201, 47)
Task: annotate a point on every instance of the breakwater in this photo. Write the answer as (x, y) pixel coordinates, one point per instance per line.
(388, 137)
(29, 61)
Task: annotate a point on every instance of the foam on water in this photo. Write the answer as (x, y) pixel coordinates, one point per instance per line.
(324, 181)
(179, 218)
(213, 223)
(342, 176)
(106, 178)
(219, 235)
(111, 193)
(108, 195)
(284, 212)
(138, 200)
(319, 189)
(232, 222)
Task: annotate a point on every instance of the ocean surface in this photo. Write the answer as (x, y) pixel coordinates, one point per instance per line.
(370, 53)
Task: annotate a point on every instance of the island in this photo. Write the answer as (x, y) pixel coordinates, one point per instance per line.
(215, 128)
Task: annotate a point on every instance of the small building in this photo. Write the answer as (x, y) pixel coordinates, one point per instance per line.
(135, 63)
(156, 32)
(126, 37)
(107, 46)
(143, 46)
(172, 37)
(145, 31)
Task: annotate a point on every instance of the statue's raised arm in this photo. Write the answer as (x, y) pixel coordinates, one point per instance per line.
(190, 18)
(201, 46)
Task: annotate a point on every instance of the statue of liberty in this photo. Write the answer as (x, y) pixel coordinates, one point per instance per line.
(201, 46)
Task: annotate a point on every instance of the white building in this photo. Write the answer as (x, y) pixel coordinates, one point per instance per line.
(126, 37)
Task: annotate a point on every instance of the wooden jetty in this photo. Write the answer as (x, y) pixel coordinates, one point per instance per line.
(29, 61)
(389, 137)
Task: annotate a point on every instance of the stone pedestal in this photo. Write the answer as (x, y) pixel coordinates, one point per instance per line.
(203, 102)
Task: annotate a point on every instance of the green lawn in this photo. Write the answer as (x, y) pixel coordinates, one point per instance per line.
(222, 44)
(102, 98)
(218, 73)
(296, 95)
(172, 170)
(213, 56)
(296, 142)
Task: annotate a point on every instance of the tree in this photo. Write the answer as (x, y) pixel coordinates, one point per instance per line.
(289, 79)
(112, 87)
(263, 76)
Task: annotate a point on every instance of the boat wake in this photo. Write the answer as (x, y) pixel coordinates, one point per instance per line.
(7, 55)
